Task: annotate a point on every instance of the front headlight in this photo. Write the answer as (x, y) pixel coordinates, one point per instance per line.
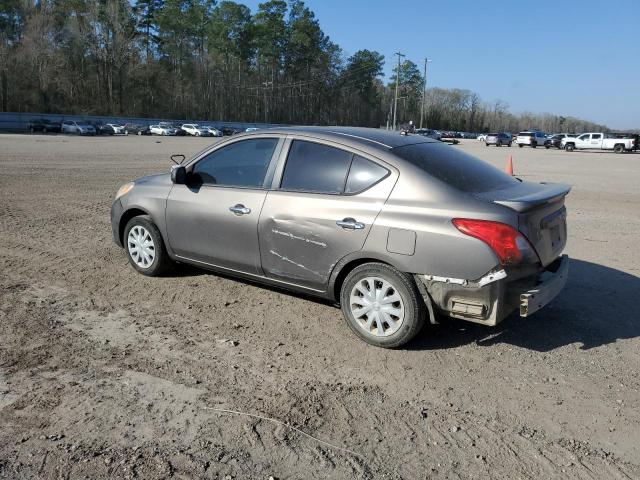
(124, 189)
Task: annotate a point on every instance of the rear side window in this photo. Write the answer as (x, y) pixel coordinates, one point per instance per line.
(596, 136)
(313, 167)
(455, 168)
(363, 174)
(241, 164)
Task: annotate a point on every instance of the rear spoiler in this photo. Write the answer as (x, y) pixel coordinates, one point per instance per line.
(545, 194)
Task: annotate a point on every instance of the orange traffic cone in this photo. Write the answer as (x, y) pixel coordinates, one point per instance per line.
(509, 168)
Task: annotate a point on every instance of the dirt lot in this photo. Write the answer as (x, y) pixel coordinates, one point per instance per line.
(106, 373)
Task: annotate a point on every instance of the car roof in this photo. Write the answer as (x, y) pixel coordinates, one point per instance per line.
(367, 137)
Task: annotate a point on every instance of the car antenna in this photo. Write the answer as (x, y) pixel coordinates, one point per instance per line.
(175, 156)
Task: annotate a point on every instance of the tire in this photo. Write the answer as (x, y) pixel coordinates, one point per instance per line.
(547, 146)
(534, 144)
(498, 144)
(520, 145)
(486, 144)
(410, 307)
(618, 149)
(509, 144)
(569, 147)
(144, 229)
(139, 133)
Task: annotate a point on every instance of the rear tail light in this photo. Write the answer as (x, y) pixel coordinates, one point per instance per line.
(509, 245)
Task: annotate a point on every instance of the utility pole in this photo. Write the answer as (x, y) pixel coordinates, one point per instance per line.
(395, 102)
(266, 84)
(424, 91)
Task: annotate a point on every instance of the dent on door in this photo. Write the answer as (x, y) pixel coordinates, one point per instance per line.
(301, 240)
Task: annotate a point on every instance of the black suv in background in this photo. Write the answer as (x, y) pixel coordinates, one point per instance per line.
(135, 129)
(43, 125)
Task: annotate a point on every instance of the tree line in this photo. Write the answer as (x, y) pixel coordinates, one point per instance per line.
(219, 60)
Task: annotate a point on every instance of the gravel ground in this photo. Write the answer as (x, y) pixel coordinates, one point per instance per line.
(107, 373)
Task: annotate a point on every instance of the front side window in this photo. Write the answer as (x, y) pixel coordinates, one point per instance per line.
(584, 137)
(241, 164)
(316, 168)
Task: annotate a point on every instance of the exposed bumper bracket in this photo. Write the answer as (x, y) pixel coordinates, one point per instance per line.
(536, 298)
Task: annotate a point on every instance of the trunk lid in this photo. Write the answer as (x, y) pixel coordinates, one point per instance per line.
(542, 216)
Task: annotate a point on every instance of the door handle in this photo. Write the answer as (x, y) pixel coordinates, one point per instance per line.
(350, 224)
(240, 209)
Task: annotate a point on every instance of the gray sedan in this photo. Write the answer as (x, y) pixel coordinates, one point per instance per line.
(396, 229)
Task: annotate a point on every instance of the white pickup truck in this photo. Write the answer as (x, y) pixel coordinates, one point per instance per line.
(598, 141)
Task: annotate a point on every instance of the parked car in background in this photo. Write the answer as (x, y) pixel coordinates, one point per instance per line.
(428, 132)
(482, 137)
(117, 129)
(43, 125)
(598, 141)
(101, 128)
(162, 130)
(226, 131)
(556, 140)
(396, 228)
(135, 129)
(195, 130)
(251, 129)
(498, 139)
(532, 138)
(213, 130)
(80, 128)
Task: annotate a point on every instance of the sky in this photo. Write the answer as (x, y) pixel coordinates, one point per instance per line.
(579, 58)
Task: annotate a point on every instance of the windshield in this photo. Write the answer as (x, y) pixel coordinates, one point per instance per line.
(455, 168)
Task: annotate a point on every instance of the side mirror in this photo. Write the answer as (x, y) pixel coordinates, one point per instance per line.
(178, 174)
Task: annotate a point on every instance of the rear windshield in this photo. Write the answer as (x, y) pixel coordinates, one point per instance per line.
(525, 134)
(455, 168)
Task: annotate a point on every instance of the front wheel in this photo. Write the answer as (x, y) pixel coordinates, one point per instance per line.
(498, 144)
(569, 147)
(144, 246)
(520, 145)
(382, 305)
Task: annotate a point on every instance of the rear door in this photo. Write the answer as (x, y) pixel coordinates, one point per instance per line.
(213, 218)
(596, 140)
(324, 201)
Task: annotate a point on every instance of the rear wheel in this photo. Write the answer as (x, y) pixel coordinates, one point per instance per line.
(486, 144)
(618, 148)
(382, 305)
(520, 145)
(569, 147)
(509, 143)
(144, 246)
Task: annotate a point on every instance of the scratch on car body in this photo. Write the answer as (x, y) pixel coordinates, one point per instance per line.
(299, 265)
(303, 239)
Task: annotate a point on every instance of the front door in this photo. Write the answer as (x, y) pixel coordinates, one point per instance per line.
(213, 218)
(326, 202)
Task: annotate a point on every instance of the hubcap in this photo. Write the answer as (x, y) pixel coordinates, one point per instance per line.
(141, 246)
(377, 306)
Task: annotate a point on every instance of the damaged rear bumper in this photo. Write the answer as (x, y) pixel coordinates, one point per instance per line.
(493, 297)
(551, 283)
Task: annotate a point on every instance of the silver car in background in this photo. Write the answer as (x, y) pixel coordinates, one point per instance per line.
(498, 139)
(396, 229)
